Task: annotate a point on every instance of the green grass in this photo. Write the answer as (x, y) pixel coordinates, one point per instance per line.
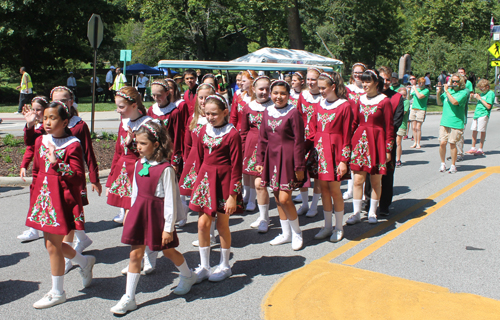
(11, 141)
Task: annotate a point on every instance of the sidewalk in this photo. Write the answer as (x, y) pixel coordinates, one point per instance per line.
(99, 116)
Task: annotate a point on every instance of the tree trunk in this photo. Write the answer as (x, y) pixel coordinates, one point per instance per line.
(293, 22)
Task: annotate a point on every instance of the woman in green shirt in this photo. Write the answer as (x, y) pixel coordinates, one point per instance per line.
(485, 101)
(420, 95)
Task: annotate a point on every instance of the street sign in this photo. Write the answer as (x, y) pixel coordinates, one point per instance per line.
(95, 31)
(495, 49)
(125, 55)
(495, 63)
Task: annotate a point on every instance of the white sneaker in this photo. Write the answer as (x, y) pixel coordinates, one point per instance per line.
(347, 195)
(372, 219)
(311, 213)
(28, 235)
(298, 198)
(68, 265)
(453, 169)
(185, 284)
(201, 274)
(303, 209)
(220, 273)
(80, 246)
(87, 271)
(263, 226)
(119, 217)
(251, 206)
(337, 235)
(280, 239)
(125, 304)
(196, 243)
(50, 299)
(353, 219)
(150, 261)
(442, 168)
(323, 233)
(297, 241)
(256, 223)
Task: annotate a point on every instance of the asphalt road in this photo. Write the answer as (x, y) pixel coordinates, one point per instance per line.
(455, 247)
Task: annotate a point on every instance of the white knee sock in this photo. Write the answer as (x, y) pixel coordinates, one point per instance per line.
(183, 199)
(205, 257)
(339, 220)
(212, 228)
(356, 204)
(57, 284)
(33, 230)
(264, 212)
(184, 269)
(314, 203)
(252, 196)
(79, 260)
(285, 228)
(328, 219)
(224, 257)
(132, 281)
(246, 193)
(294, 225)
(305, 198)
(350, 184)
(373, 207)
(80, 235)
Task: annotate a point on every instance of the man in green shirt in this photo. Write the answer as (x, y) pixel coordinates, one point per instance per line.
(452, 121)
(485, 101)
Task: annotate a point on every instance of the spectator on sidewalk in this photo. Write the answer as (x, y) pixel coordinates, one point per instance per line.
(141, 84)
(442, 78)
(71, 83)
(428, 80)
(26, 89)
(109, 84)
(120, 80)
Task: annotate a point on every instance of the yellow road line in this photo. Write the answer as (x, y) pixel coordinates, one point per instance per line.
(407, 225)
(372, 232)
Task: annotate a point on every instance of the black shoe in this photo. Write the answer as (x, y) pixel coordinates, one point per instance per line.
(384, 211)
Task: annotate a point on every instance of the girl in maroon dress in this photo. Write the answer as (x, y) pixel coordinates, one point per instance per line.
(56, 203)
(298, 82)
(217, 190)
(281, 159)
(174, 95)
(307, 103)
(331, 131)
(34, 121)
(372, 142)
(354, 91)
(156, 205)
(250, 126)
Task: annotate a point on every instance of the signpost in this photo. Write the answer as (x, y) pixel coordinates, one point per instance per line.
(95, 34)
(125, 55)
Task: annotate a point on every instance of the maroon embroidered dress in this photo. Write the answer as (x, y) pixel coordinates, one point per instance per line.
(250, 125)
(219, 176)
(331, 132)
(191, 165)
(55, 201)
(294, 97)
(354, 92)
(281, 148)
(237, 108)
(30, 136)
(373, 136)
(155, 207)
(122, 167)
(306, 106)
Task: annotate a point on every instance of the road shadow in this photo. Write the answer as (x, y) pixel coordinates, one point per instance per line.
(12, 259)
(99, 226)
(411, 151)
(397, 190)
(426, 138)
(492, 152)
(12, 290)
(7, 189)
(430, 145)
(414, 162)
(468, 167)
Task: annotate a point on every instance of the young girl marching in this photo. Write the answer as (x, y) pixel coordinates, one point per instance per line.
(331, 130)
(298, 82)
(174, 95)
(307, 103)
(217, 190)
(250, 126)
(56, 203)
(372, 141)
(354, 91)
(281, 159)
(34, 122)
(151, 219)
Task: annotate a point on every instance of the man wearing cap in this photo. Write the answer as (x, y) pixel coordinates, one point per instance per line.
(395, 82)
(141, 84)
(71, 83)
(109, 84)
(26, 89)
(120, 80)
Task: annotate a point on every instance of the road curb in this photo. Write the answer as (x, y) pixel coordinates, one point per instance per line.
(19, 182)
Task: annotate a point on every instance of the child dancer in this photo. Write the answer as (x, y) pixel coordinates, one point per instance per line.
(354, 91)
(250, 126)
(34, 121)
(331, 130)
(151, 219)
(372, 141)
(297, 87)
(307, 103)
(56, 203)
(403, 128)
(217, 190)
(175, 97)
(281, 159)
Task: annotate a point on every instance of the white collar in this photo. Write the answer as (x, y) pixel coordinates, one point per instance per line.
(38, 125)
(373, 101)
(311, 98)
(152, 163)
(354, 88)
(255, 106)
(294, 94)
(247, 98)
(127, 123)
(178, 102)
(202, 120)
(165, 110)
(331, 105)
(60, 143)
(272, 111)
(73, 121)
(218, 132)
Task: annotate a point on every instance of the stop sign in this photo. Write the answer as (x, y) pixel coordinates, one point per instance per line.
(95, 31)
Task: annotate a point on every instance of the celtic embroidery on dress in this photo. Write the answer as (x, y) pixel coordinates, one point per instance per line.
(211, 143)
(165, 122)
(65, 169)
(354, 97)
(390, 145)
(361, 153)
(367, 111)
(190, 178)
(252, 161)
(308, 110)
(122, 186)
(325, 119)
(201, 196)
(346, 152)
(43, 211)
(197, 129)
(257, 119)
(274, 124)
(321, 156)
(238, 186)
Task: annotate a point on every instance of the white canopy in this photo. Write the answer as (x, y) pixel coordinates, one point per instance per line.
(231, 65)
(278, 55)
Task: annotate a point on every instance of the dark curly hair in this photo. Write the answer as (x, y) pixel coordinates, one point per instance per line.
(164, 150)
